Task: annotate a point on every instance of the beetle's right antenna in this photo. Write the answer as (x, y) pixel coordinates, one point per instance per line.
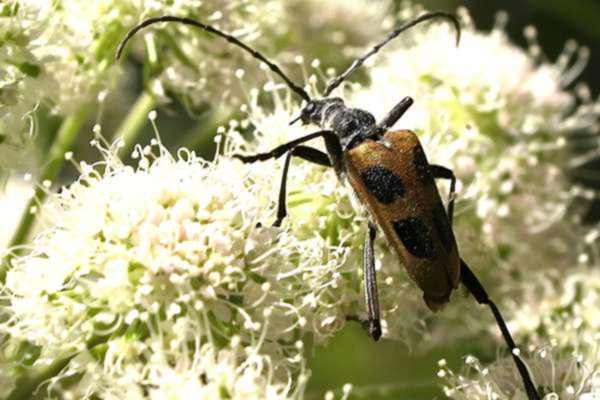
(360, 61)
(231, 39)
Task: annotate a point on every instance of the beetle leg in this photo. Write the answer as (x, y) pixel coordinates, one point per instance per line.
(306, 153)
(475, 287)
(446, 173)
(284, 148)
(395, 114)
(370, 279)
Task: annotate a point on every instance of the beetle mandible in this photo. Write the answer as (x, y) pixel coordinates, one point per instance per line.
(390, 175)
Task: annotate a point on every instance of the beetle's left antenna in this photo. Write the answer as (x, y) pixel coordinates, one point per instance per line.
(231, 39)
(392, 35)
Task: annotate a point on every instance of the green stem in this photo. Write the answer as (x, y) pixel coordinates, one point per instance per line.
(29, 383)
(26, 386)
(201, 136)
(131, 126)
(63, 142)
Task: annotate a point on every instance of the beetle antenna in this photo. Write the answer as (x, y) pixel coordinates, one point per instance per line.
(231, 39)
(392, 35)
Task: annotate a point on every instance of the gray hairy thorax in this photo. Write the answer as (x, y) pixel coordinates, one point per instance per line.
(351, 125)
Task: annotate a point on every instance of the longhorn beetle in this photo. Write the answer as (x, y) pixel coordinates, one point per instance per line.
(390, 174)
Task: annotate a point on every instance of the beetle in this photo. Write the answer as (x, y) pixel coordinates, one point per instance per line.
(390, 175)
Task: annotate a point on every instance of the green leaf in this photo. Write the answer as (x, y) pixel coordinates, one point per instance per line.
(29, 69)
(135, 271)
(179, 54)
(256, 277)
(9, 10)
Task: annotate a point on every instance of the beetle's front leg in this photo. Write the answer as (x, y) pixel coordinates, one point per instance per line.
(284, 148)
(306, 153)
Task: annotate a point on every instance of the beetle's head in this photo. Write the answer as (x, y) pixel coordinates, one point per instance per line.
(317, 111)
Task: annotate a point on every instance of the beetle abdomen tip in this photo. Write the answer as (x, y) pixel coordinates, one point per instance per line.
(436, 304)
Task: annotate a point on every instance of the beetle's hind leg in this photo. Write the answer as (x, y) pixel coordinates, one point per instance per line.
(440, 172)
(373, 322)
(306, 153)
(370, 278)
(475, 287)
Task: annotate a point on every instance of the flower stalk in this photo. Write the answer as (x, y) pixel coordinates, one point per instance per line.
(130, 128)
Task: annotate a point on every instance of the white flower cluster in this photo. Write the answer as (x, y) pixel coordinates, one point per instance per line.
(164, 259)
(565, 307)
(556, 376)
(562, 310)
(140, 269)
(13, 200)
(59, 53)
(161, 368)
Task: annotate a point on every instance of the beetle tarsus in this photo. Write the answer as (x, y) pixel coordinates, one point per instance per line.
(277, 223)
(372, 326)
(374, 329)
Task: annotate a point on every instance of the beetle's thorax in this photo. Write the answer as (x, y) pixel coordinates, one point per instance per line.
(351, 125)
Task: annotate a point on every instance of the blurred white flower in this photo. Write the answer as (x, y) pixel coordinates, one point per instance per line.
(12, 202)
(565, 307)
(58, 55)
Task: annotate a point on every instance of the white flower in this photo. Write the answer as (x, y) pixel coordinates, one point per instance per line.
(556, 376)
(151, 369)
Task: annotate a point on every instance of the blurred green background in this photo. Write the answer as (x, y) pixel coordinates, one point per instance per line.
(389, 370)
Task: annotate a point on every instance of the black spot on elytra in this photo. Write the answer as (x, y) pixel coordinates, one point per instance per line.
(442, 227)
(421, 165)
(383, 184)
(415, 236)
